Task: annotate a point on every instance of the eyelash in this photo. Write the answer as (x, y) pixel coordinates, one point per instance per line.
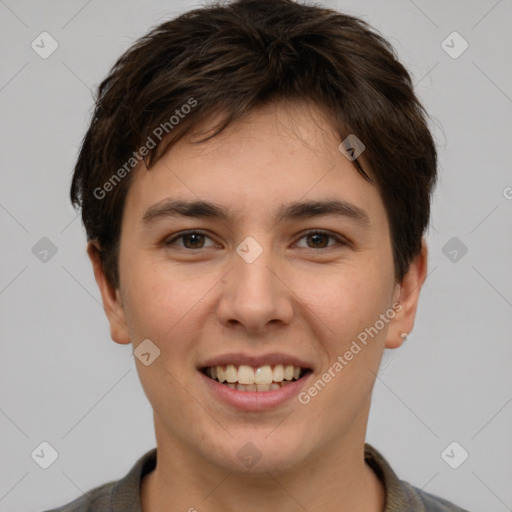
(308, 233)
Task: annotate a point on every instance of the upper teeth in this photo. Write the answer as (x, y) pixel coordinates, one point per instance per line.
(244, 374)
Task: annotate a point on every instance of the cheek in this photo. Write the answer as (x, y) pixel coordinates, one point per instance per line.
(161, 303)
(355, 316)
(345, 301)
(352, 308)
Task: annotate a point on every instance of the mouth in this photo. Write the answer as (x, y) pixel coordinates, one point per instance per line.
(264, 378)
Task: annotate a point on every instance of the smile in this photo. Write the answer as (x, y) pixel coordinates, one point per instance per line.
(248, 378)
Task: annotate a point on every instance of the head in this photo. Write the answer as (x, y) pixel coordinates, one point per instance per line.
(243, 106)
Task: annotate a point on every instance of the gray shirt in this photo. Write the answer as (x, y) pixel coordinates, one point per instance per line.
(124, 495)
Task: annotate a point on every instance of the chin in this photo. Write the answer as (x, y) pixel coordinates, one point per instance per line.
(259, 453)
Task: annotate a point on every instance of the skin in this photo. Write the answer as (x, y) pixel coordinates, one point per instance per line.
(301, 296)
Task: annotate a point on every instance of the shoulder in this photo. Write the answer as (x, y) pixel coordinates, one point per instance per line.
(116, 495)
(400, 495)
(426, 502)
(99, 498)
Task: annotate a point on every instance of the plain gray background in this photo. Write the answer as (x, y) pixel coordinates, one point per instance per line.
(65, 382)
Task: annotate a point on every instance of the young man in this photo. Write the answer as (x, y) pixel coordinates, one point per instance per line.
(255, 185)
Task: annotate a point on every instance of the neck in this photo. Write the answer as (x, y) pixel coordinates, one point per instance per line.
(336, 480)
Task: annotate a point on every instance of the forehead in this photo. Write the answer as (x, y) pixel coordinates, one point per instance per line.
(277, 155)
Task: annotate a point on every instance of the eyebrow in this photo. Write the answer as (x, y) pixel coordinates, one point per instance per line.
(169, 208)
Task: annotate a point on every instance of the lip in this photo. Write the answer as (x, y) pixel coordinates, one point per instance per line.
(254, 400)
(239, 358)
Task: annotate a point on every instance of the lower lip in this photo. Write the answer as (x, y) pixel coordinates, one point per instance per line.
(254, 400)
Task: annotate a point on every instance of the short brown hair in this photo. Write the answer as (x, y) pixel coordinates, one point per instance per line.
(233, 58)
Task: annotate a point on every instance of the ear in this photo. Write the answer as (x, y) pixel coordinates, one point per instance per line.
(112, 303)
(407, 296)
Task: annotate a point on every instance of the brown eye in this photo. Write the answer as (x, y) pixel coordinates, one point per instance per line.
(196, 241)
(191, 240)
(320, 240)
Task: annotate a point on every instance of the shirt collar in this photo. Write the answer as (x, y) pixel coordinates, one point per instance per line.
(126, 492)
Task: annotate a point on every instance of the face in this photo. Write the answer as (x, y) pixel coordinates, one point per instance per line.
(285, 263)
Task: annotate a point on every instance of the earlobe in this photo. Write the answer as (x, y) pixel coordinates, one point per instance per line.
(408, 297)
(111, 298)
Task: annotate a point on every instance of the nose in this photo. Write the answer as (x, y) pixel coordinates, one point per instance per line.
(255, 296)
